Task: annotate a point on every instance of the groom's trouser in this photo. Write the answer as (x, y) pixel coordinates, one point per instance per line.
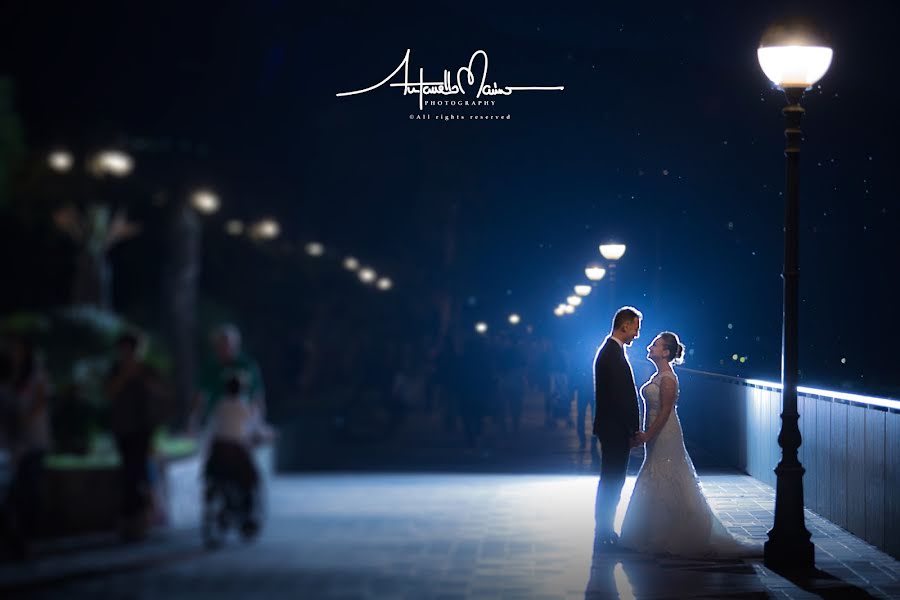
(615, 451)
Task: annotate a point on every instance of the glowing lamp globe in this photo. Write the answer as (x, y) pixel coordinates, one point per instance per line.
(315, 249)
(234, 227)
(582, 290)
(384, 284)
(612, 251)
(595, 272)
(112, 162)
(205, 201)
(574, 300)
(367, 275)
(514, 319)
(481, 327)
(351, 263)
(794, 55)
(569, 309)
(265, 229)
(60, 161)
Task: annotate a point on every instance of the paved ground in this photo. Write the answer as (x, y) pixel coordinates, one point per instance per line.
(448, 536)
(451, 535)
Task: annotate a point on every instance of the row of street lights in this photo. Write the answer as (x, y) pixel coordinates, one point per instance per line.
(116, 163)
(105, 162)
(366, 275)
(594, 273)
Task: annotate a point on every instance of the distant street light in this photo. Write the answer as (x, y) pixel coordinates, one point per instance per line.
(367, 275)
(351, 263)
(514, 319)
(481, 327)
(314, 249)
(794, 57)
(205, 202)
(60, 161)
(582, 290)
(384, 284)
(111, 162)
(234, 227)
(558, 311)
(568, 308)
(612, 251)
(574, 300)
(594, 272)
(266, 229)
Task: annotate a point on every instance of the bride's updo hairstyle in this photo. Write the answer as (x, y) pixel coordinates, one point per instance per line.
(674, 346)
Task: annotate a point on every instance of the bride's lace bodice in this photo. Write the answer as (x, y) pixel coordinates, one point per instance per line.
(650, 396)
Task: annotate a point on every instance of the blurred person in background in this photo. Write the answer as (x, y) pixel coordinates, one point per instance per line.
(136, 396)
(27, 392)
(234, 428)
(228, 360)
(557, 404)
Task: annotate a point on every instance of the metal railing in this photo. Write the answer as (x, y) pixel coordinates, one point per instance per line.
(850, 449)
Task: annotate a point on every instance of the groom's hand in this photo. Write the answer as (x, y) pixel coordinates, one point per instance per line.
(639, 439)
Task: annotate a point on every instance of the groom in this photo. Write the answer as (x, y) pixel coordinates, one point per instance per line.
(615, 417)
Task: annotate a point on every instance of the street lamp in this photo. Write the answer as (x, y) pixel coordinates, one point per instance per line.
(514, 319)
(314, 249)
(351, 263)
(582, 290)
(612, 253)
(266, 229)
(111, 162)
(234, 227)
(558, 311)
(367, 275)
(574, 300)
(481, 327)
(60, 161)
(594, 272)
(568, 308)
(794, 57)
(384, 284)
(205, 202)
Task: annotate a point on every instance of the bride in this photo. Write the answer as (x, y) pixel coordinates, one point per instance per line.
(668, 512)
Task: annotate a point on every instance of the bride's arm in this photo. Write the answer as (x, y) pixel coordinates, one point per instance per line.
(667, 393)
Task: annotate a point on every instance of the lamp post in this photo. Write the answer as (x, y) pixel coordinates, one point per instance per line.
(612, 253)
(794, 57)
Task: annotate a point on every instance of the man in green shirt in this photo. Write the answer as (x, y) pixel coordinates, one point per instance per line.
(228, 361)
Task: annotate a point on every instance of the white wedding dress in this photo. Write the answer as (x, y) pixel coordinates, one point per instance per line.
(668, 512)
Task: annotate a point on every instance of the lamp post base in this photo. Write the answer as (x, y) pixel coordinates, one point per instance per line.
(789, 555)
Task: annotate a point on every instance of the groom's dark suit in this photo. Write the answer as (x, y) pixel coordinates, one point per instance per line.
(616, 421)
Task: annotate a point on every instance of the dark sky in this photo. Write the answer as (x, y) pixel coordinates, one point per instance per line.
(667, 137)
